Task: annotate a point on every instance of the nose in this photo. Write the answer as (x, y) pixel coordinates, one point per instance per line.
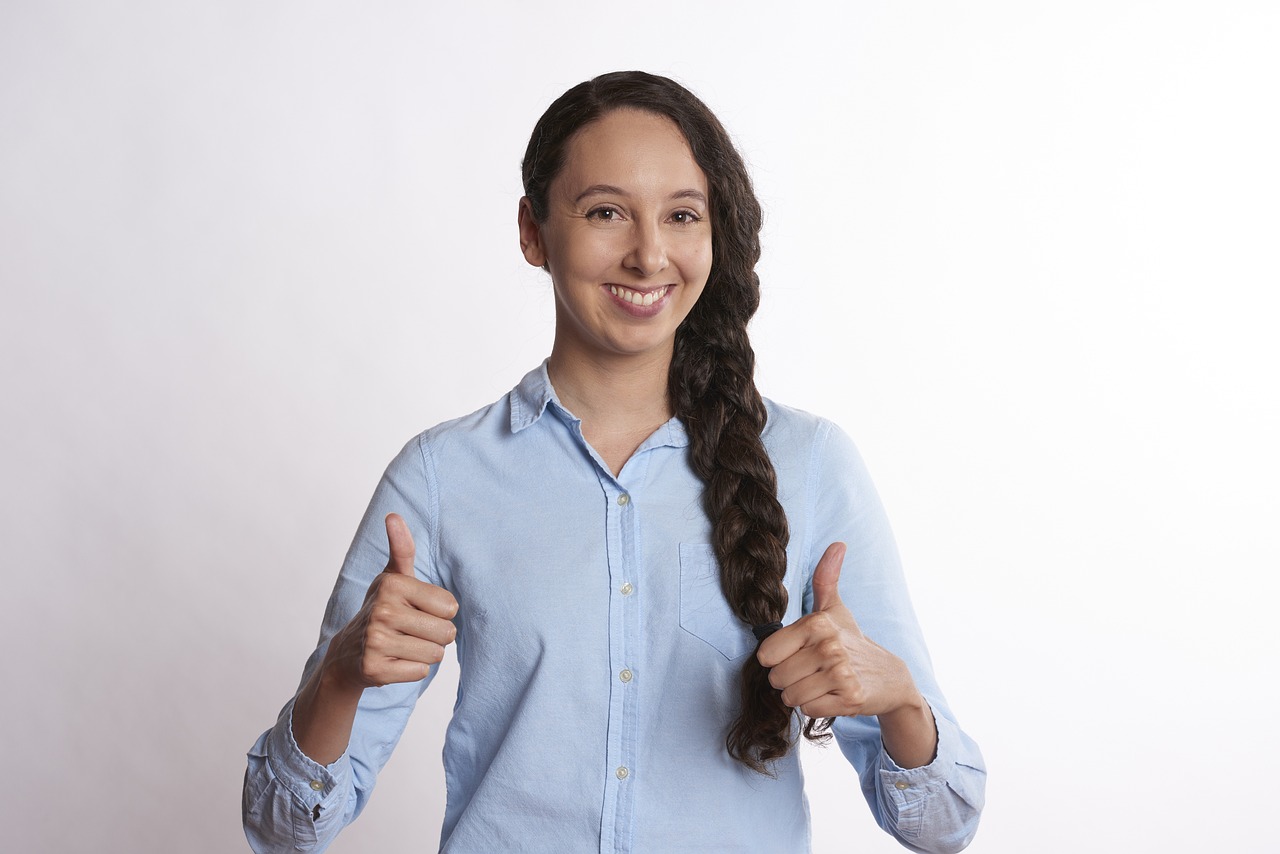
(648, 253)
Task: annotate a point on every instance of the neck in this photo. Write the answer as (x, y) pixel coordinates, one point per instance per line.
(612, 394)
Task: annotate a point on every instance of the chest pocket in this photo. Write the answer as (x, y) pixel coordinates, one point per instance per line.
(704, 612)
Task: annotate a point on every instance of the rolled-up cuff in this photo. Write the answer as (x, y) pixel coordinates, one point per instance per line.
(313, 784)
(903, 785)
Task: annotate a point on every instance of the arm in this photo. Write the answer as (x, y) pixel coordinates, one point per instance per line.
(311, 774)
(858, 656)
(396, 636)
(826, 667)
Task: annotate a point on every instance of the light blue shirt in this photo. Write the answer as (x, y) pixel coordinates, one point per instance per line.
(598, 660)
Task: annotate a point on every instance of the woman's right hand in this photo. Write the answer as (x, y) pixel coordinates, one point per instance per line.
(399, 632)
(402, 628)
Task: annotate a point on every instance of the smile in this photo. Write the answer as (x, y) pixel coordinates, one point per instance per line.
(638, 298)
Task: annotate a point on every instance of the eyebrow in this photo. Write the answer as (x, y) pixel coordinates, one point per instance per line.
(611, 190)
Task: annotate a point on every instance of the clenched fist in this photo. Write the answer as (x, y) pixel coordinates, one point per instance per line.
(402, 628)
(825, 666)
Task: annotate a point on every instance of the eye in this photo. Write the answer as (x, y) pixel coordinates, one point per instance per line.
(604, 214)
(685, 217)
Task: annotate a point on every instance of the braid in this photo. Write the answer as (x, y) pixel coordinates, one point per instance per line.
(711, 382)
(713, 392)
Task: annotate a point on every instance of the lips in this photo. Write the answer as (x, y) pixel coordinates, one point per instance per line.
(639, 298)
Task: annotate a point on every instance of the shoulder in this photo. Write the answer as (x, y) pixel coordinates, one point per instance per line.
(467, 436)
(790, 430)
(491, 433)
(796, 438)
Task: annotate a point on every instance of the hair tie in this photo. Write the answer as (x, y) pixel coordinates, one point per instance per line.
(764, 630)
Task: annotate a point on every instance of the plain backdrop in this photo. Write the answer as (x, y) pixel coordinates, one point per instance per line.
(1024, 252)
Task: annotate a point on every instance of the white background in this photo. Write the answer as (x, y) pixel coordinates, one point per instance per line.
(1024, 252)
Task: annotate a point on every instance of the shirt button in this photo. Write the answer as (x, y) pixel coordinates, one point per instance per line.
(625, 675)
(624, 500)
(902, 785)
(626, 589)
(622, 772)
(316, 785)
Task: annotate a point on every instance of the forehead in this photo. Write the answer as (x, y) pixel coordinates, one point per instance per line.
(633, 150)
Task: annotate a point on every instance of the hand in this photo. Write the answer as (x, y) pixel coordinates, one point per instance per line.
(825, 666)
(402, 628)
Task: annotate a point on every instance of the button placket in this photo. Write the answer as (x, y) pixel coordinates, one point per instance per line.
(622, 521)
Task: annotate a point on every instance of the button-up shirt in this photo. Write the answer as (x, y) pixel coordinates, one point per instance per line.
(599, 662)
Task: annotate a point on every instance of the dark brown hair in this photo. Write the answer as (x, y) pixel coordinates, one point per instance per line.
(711, 384)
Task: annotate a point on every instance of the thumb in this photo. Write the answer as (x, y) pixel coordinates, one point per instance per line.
(826, 578)
(401, 542)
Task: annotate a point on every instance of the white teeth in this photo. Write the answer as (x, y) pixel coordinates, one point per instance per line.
(636, 298)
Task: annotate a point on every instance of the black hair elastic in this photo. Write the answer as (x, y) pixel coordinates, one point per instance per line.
(763, 631)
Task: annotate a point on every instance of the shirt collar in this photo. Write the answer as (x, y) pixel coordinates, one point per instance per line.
(531, 397)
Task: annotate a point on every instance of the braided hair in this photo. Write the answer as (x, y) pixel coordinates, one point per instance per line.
(711, 382)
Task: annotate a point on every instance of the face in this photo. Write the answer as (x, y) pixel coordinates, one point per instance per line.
(627, 237)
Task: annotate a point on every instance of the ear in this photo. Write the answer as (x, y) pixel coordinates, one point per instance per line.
(530, 235)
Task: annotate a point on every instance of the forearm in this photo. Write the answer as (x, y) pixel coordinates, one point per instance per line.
(909, 734)
(323, 715)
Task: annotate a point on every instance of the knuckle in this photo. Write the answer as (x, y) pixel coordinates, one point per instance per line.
(376, 638)
(821, 622)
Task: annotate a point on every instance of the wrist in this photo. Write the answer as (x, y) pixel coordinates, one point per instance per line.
(323, 714)
(333, 681)
(912, 706)
(910, 734)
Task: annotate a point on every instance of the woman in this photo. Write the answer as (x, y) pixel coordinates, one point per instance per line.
(644, 565)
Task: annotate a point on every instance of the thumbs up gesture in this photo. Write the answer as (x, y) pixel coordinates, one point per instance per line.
(401, 629)
(826, 667)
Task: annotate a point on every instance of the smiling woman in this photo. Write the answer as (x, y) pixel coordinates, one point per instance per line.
(626, 238)
(670, 571)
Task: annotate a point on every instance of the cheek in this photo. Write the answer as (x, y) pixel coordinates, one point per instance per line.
(583, 255)
(699, 260)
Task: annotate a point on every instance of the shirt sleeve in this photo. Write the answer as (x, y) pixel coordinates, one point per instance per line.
(934, 808)
(291, 802)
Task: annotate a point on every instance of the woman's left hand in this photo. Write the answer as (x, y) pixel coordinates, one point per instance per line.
(825, 666)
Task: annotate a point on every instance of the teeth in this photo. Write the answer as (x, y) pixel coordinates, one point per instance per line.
(637, 298)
